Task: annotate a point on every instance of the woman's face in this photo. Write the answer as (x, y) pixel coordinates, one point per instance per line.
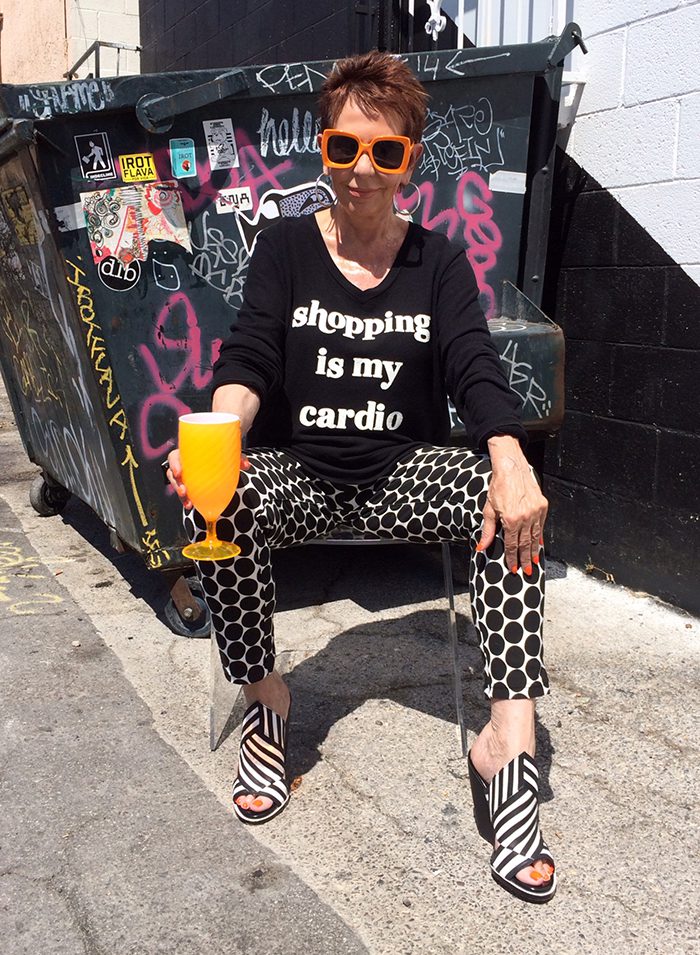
(361, 190)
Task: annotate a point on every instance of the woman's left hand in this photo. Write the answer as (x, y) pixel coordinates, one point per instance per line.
(515, 500)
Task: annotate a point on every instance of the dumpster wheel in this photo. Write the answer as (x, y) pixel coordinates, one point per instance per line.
(201, 627)
(47, 497)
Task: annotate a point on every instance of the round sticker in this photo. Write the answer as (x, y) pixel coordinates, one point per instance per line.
(117, 275)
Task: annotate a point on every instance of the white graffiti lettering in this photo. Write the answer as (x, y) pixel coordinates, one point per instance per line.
(461, 139)
(220, 262)
(524, 383)
(290, 77)
(288, 136)
(47, 101)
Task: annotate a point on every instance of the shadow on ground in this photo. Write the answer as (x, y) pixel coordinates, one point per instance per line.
(405, 659)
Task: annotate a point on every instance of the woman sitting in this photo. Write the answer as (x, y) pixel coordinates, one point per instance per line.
(355, 327)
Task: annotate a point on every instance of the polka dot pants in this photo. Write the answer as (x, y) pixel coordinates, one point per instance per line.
(435, 494)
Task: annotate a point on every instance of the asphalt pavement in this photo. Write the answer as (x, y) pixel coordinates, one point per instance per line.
(116, 835)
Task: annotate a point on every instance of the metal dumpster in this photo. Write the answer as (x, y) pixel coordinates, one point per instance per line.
(129, 208)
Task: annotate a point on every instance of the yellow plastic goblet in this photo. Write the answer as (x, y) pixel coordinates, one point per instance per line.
(210, 452)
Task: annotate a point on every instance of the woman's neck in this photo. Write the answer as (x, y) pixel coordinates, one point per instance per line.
(357, 236)
(364, 252)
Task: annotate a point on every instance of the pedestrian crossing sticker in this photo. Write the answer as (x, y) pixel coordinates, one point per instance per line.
(138, 167)
(95, 156)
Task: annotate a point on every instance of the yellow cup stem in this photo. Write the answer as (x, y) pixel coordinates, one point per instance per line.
(211, 538)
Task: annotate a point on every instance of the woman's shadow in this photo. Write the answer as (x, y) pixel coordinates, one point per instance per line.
(404, 658)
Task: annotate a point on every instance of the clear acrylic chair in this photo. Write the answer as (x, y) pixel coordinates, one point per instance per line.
(226, 704)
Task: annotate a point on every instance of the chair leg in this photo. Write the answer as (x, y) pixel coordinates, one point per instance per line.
(454, 646)
(223, 697)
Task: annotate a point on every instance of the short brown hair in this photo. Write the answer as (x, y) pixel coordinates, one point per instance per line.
(379, 83)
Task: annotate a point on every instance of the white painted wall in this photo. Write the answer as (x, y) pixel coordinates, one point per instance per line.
(115, 21)
(637, 129)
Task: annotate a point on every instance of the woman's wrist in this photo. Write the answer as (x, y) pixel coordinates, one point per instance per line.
(506, 452)
(239, 400)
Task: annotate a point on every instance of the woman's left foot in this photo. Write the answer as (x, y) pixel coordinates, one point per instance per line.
(506, 812)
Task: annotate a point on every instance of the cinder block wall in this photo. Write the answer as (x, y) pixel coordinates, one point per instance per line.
(205, 34)
(114, 21)
(623, 271)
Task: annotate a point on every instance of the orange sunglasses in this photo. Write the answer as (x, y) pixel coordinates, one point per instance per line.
(341, 150)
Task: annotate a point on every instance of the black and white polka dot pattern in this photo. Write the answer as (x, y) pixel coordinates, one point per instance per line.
(435, 494)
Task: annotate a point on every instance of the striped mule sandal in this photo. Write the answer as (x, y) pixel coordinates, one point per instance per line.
(261, 763)
(507, 816)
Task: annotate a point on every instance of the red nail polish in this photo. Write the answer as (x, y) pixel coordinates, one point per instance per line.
(528, 570)
(536, 559)
(479, 547)
(514, 569)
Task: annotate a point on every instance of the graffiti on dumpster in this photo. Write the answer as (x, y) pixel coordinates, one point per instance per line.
(32, 359)
(284, 136)
(290, 78)
(220, 261)
(43, 102)
(461, 138)
(469, 217)
(524, 383)
(117, 419)
(20, 214)
(177, 334)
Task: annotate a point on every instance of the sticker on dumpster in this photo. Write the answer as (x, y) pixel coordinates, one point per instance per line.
(122, 221)
(234, 200)
(138, 167)
(95, 156)
(506, 180)
(182, 158)
(117, 275)
(221, 143)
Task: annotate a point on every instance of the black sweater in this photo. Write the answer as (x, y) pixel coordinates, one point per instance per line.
(352, 380)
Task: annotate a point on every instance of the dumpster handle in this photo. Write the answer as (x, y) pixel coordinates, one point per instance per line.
(156, 113)
(570, 38)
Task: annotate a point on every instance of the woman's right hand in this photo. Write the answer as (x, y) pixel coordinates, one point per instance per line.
(174, 475)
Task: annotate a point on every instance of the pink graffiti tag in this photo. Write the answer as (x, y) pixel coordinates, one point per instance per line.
(193, 369)
(481, 233)
(472, 211)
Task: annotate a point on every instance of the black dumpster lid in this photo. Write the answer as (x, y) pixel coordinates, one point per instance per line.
(42, 101)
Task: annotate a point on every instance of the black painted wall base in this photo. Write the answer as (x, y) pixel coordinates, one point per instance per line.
(623, 475)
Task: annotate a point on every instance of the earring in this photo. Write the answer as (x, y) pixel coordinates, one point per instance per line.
(407, 213)
(323, 191)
